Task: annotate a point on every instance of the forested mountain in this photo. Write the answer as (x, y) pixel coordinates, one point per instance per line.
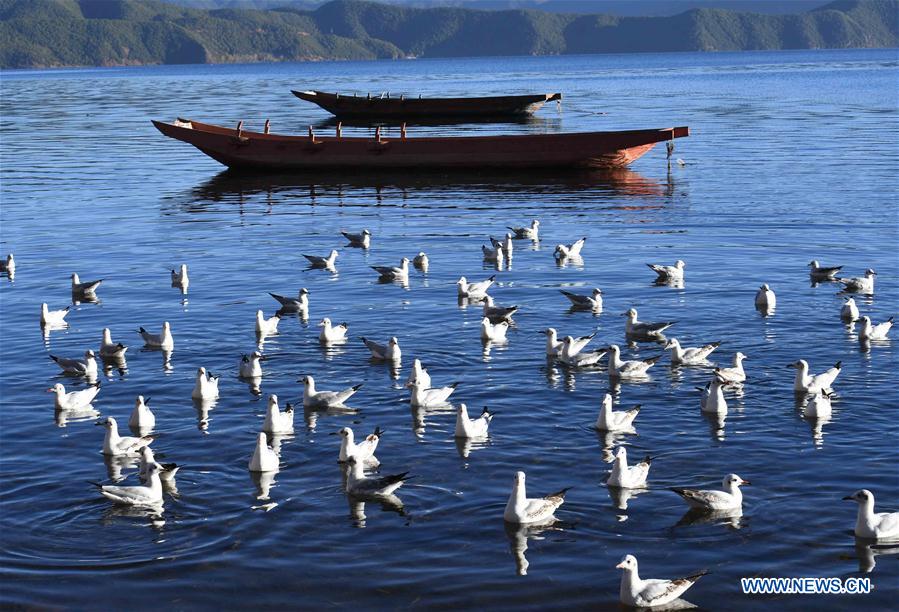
(45, 33)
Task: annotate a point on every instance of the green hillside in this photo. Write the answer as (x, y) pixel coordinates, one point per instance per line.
(49, 33)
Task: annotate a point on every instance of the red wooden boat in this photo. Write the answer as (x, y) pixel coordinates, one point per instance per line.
(243, 150)
(400, 108)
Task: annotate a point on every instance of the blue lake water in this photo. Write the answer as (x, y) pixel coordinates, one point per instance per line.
(793, 156)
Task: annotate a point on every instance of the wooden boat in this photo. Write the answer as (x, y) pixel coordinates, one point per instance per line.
(243, 150)
(399, 108)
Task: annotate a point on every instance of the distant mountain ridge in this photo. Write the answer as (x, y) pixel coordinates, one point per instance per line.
(49, 33)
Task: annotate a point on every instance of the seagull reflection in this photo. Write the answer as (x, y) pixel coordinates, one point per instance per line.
(203, 407)
(62, 417)
(620, 496)
(572, 261)
(611, 439)
(254, 384)
(716, 425)
(116, 463)
(388, 503)
(79, 298)
(673, 283)
(263, 481)
(696, 516)
(519, 535)
(333, 349)
(154, 514)
(113, 363)
(311, 415)
(489, 345)
(866, 551)
(817, 424)
(51, 327)
(466, 445)
(401, 281)
(765, 310)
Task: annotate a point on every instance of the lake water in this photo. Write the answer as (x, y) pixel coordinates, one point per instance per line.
(793, 156)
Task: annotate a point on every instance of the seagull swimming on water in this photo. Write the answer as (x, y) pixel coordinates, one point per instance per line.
(360, 240)
(53, 317)
(572, 250)
(584, 302)
(860, 284)
(264, 459)
(389, 352)
(323, 262)
(115, 445)
(498, 313)
(650, 592)
(325, 399)
(108, 348)
(765, 298)
(690, 355)
(871, 525)
(297, 304)
(669, 273)
(713, 401)
(250, 365)
(277, 422)
(532, 232)
(636, 368)
(493, 332)
(332, 333)
(879, 331)
(81, 367)
(8, 265)
(394, 273)
(635, 328)
(615, 420)
(522, 510)
(206, 386)
(628, 477)
(142, 418)
(149, 494)
(495, 254)
(364, 451)
(88, 288)
(428, 398)
(472, 428)
(731, 498)
(267, 327)
(357, 483)
(849, 311)
(573, 355)
(179, 277)
(74, 400)
(474, 290)
(419, 375)
(805, 383)
(421, 261)
(735, 373)
(163, 340)
(819, 272)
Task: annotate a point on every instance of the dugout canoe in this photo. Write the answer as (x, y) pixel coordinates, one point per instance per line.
(257, 151)
(406, 108)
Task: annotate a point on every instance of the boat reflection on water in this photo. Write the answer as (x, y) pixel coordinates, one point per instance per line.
(394, 187)
(551, 123)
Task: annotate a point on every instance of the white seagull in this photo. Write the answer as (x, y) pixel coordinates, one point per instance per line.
(636, 368)
(472, 428)
(427, 398)
(669, 273)
(357, 483)
(495, 254)
(53, 317)
(765, 298)
(712, 400)
(163, 340)
(871, 525)
(206, 386)
(805, 383)
(74, 400)
(364, 451)
(149, 494)
(635, 328)
(332, 333)
(584, 302)
(819, 406)
(573, 355)
(532, 232)
(323, 262)
(572, 250)
(147, 460)
(297, 304)
(819, 272)
(861, 284)
(618, 420)
(88, 288)
(493, 333)
(731, 498)
(554, 345)
(108, 348)
(474, 290)
(419, 375)
(277, 422)
(82, 367)
(849, 311)
(385, 352)
(690, 355)
(522, 510)
(875, 332)
(394, 273)
(361, 240)
(251, 365)
(142, 418)
(264, 459)
(505, 244)
(421, 261)
(8, 265)
(498, 313)
(267, 327)
(179, 277)
(115, 445)
(628, 477)
(735, 373)
(325, 399)
(651, 592)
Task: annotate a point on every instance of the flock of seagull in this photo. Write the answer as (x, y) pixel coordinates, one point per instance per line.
(359, 458)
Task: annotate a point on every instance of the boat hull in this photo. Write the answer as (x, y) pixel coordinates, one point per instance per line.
(274, 152)
(415, 108)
